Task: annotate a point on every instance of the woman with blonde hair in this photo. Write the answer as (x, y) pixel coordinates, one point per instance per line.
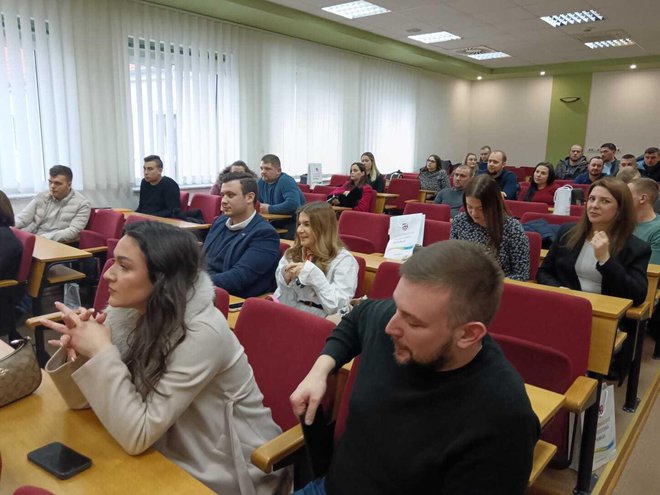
(374, 177)
(317, 274)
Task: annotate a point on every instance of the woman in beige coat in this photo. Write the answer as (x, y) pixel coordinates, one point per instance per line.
(160, 367)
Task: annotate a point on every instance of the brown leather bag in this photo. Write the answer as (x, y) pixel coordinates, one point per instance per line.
(20, 374)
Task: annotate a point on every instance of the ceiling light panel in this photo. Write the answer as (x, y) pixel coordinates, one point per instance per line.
(610, 43)
(438, 37)
(355, 10)
(560, 20)
(488, 56)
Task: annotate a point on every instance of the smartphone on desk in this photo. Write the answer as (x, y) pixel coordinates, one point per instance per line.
(233, 307)
(60, 460)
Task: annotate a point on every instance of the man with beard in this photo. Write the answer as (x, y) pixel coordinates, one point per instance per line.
(434, 403)
(506, 180)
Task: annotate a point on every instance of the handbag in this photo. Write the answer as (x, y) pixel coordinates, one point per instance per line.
(563, 200)
(20, 374)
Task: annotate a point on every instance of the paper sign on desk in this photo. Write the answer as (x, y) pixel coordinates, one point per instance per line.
(314, 174)
(406, 231)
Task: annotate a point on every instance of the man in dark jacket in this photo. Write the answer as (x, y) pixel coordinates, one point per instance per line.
(573, 165)
(242, 248)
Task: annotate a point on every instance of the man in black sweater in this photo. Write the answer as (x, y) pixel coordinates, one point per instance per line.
(159, 195)
(435, 406)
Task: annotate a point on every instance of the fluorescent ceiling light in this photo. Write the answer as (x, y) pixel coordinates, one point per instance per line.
(570, 18)
(354, 10)
(435, 37)
(488, 56)
(610, 43)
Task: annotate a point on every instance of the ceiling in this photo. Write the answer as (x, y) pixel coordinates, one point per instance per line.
(511, 26)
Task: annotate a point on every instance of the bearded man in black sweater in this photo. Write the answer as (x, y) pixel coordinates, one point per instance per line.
(435, 407)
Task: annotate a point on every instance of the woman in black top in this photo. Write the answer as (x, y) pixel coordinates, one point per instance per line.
(374, 177)
(11, 250)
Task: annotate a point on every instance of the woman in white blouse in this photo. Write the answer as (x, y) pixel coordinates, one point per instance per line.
(317, 274)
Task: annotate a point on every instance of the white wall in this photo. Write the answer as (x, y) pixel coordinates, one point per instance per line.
(442, 121)
(511, 115)
(625, 110)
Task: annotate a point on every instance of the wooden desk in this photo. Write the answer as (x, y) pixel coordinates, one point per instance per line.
(423, 193)
(182, 224)
(47, 253)
(380, 201)
(275, 216)
(43, 417)
(232, 317)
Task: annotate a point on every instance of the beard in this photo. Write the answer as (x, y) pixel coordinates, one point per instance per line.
(435, 362)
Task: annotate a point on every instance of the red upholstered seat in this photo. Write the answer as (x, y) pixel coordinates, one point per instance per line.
(208, 204)
(436, 231)
(432, 211)
(107, 224)
(386, 279)
(548, 217)
(337, 180)
(222, 300)
(535, 242)
(518, 208)
(374, 227)
(310, 196)
(184, 199)
(406, 189)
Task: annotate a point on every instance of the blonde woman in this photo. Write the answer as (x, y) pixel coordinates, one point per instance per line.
(374, 177)
(317, 274)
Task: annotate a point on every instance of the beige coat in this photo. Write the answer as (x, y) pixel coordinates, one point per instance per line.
(211, 414)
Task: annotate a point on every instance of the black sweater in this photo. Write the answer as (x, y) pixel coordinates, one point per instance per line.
(11, 250)
(465, 431)
(161, 200)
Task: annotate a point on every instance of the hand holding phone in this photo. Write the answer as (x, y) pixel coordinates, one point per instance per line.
(60, 460)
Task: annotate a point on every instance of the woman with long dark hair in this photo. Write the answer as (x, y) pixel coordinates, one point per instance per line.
(486, 222)
(355, 193)
(431, 176)
(161, 368)
(374, 177)
(317, 274)
(10, 247)
(600, 254)
(542, 188)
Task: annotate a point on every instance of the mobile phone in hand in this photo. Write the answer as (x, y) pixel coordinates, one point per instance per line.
(60, 460)
(235, 307)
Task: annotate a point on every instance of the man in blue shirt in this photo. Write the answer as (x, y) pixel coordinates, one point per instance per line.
(242, 248)
(610, 163)
(279, 193)
(506, 180)
(593, 173)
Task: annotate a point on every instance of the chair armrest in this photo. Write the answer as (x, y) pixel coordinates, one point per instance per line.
(98, 249)
(89, 238)
(581, 394)
(8, 282)
(640, 312)
(277, 449)
(35, 321)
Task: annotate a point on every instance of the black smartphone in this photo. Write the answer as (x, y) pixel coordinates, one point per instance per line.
(235, 307)
(60, 460)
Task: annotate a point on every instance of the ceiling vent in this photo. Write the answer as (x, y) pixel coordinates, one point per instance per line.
(475, 50)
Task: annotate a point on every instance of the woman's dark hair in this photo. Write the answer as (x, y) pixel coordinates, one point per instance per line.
(533, 187)
(438, 164)
(173, 261)
(622, 226)
(227, 169)
(6, 211)
(484, 188)
(350, 184)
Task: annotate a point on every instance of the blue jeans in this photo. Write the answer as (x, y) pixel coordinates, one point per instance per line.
(316, 487)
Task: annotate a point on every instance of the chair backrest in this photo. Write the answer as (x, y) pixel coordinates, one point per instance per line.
(535, 242)
(281, 344)
(524, 186)
(548, 217)
(102, 293)
(519, 171)
(283, 247)
(27, 240)
(321, 189)
(338, 179)
(136, 218)
(518, 208)
(362, 268)
(372, 226)
(304, 187)
(436, 231)
(432, 211)
(112, 244)
(208, 204)
(108, 223)
(310, 196)
(559, 321)
(406, 189)
(358, 244)
(563, 182)
(576, 210)
(184, 199)
(386, 279)
(222, 300)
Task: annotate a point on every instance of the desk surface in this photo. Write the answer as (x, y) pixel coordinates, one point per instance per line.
(44, 417)
(48, 251)
(182, 224)
(274, 216)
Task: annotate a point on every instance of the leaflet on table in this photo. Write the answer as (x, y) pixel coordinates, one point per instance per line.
(406, 232)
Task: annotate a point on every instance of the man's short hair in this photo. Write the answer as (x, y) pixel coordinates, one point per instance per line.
(628, 156)
(652, 150)
(503, 154)
(154, 158)
(61, 170)
(609, 146)
(466, 167)
(647, 186)
(486, 147)
(628, 174)
(595, 157)
(273, 160)
(248, 182)
(474, 278)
